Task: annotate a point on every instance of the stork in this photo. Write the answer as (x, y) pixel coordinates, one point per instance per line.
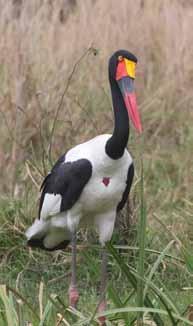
(91, 182)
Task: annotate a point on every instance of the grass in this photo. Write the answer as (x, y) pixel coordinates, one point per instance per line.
(38, 294)
(50, 101)
(141, 240)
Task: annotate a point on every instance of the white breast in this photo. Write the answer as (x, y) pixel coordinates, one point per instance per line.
(97, 203)
(96, 197)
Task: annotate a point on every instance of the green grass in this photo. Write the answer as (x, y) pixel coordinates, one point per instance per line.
(149, 281)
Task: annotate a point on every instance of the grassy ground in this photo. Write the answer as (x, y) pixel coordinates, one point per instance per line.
(39, 281)
(54, 94)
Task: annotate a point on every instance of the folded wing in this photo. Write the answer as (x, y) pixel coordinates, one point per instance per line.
(63, 186)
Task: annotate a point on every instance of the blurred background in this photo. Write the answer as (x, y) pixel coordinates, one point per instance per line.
(54, 93)
(40, 43)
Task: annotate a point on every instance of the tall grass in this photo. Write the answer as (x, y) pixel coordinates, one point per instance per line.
(38, 51)
(141, 241)
(143, 302)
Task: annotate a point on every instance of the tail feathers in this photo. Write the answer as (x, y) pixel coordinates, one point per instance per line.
(39, 243)
(38, 229)
(44, 236)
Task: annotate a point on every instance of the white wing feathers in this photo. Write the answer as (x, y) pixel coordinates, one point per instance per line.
(51, 205)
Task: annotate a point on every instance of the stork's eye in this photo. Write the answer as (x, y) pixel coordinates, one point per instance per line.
(120, 58)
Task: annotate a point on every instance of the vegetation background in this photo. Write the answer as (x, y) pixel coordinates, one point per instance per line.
(54, 94)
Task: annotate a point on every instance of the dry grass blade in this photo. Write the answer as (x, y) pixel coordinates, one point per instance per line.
(61, 320)
(88, 50)
(190, 312)
(31, 176)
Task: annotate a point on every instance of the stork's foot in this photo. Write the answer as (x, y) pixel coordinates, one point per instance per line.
(101, 309)
(73, 296)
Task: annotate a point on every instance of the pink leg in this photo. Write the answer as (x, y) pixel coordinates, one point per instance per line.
(102, 307)
(73, 291)
(103, 304)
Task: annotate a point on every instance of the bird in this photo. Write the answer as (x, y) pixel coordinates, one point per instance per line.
(90, 183)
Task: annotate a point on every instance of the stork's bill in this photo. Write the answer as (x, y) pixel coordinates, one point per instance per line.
(125, 76)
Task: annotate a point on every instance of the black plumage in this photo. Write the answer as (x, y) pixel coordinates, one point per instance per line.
(68, 180)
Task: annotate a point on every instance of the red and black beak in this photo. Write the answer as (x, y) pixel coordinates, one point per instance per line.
(126, 85)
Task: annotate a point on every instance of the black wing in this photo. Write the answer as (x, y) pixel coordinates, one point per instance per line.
(67, 179)
(129, 181)
(56, 165)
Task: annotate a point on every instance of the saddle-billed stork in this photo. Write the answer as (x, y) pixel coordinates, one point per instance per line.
(90, 183)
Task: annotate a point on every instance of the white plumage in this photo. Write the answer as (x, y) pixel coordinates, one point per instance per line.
(97, 203)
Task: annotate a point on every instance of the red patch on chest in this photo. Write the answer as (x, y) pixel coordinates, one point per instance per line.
(106, 181)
